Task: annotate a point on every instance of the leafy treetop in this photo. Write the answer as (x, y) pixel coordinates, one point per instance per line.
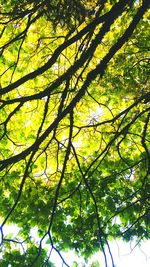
(74, 127)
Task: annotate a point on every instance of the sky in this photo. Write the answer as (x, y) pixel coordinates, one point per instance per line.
(124, 254)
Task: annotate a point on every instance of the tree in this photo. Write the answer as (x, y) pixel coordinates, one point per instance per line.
(74, 155)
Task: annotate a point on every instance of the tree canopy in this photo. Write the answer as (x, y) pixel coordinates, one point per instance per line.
(74, 127)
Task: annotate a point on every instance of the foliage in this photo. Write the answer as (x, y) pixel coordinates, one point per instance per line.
(74, 127)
